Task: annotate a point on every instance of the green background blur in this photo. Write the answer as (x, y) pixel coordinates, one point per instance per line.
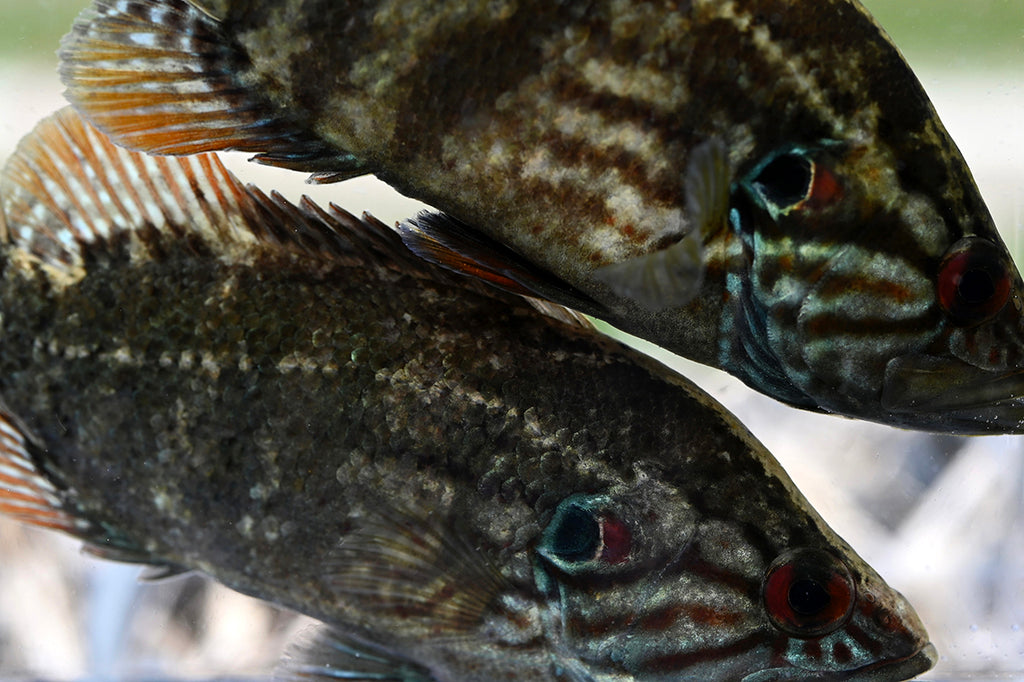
(935, 30)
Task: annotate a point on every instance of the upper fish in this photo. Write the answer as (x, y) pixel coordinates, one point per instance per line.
(759, 185)
(195, 375)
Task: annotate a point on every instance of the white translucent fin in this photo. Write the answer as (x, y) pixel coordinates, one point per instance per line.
(673, 276)
(328, 654)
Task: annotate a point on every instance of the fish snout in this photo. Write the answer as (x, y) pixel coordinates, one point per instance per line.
(970, 382)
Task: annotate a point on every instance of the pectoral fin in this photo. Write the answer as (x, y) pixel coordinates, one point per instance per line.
(418, 570)
(330, 654)
(673, 276)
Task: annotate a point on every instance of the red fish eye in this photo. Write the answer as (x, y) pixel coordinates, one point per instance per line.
(808, 592)
(974, 281)
(615, 540)
(581, 535)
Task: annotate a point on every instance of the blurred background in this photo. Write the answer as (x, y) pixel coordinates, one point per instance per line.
(941, 518)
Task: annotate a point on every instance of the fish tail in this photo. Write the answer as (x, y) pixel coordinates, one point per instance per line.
(26, 493)
(163, 77)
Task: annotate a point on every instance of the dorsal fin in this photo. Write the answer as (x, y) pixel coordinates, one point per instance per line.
(67, 188)
(161, 76)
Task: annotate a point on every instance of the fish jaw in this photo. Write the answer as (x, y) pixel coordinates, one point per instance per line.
(884, 619)
(970, 380)
(944, 394)
(903, 669)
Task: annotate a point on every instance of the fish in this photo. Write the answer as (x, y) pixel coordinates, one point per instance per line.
(762, 186)
(197, 376)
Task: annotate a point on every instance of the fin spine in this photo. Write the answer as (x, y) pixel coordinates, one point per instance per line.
(162, 76)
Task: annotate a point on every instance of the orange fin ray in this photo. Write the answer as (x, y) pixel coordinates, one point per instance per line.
(452, 244)
(161, 76)
(67, 189)
(26, 494)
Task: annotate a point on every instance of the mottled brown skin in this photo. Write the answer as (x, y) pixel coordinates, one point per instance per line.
(568, 131)
(224, 399)
(435, 398)
(423, 103)
(396, 388)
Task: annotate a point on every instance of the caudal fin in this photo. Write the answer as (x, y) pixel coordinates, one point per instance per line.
(162, 76)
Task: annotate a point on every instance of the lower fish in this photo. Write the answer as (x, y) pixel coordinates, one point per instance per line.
(198, 376)
(759, 185)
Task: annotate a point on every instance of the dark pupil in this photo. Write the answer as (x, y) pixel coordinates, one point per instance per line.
(807, 597)
(976, 286)
(577, 535)
(785, 180)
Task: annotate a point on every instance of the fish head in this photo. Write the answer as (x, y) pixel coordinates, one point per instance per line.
(877, 285)
(644, 587)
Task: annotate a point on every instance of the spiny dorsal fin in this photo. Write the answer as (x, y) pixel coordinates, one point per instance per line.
(67, 188)
(161, 76)
(446, 241)
(26, 494)
(418, 569)
(329, 654)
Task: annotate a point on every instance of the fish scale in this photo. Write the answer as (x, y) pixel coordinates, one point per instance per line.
(711, 176)
(197, 376)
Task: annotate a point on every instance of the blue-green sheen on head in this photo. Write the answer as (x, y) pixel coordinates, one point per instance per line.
(642, 582)
(863, 295)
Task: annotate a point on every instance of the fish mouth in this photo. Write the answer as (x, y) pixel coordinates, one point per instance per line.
(901, 669)
(952, 396)
(883, 671)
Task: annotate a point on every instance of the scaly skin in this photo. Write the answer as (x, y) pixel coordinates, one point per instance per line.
(313, 417)
(566, 130)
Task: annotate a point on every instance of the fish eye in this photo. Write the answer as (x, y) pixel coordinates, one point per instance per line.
(582, 534)
(791, 181)
(808, 592)
(974, 281)
(785, 180)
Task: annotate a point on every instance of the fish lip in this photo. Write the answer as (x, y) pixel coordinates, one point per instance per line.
(889, 670)
(944, 394)
(911, 666)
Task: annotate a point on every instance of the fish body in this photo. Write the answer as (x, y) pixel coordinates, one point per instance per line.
(759, 185)
(197, 376)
